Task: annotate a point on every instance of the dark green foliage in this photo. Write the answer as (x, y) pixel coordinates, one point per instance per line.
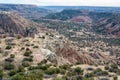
(88, 79)
(61, 78)
(30, 59)
(9, 66)
(12, 72)
(65, 66)
(87, 75)
(27, 53)
(44, 61)
(32, 68)
(70, 74)
(8, 47)
(43, 67)
(36, 47)
(17, 77)
(12, 56)
(115, 78)
(25, 64)
(30, 76)
(106, 67)
(18, 37)
(78, 70)
(1, 74)
(62, 71)
(51, 71)
(21, 69)
(9, 59)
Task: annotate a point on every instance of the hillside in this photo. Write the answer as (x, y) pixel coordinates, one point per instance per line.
(13, 24)
(102, 22)
(72, 44)
(27, 11)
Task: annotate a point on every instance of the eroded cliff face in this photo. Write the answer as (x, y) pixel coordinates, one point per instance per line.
(13, 24)
(69, 52)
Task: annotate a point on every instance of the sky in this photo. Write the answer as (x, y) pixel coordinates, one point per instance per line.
(113, 3)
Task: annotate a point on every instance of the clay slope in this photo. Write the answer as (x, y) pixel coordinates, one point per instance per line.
(13, 24)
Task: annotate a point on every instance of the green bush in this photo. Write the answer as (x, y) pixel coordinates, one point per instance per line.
(43, 67)
(12, 56)
(30, 59)
(17, 77)
(62, 71)
(106, 67)
(12, 72)
(51, 71)
(8, 66)
(59, 78)
(8, 47)
(32, 68)
(18, 37)
(78, 70)
(114, 66)
(21, 69)
(27, 53)
(65, 66)
(115, 78)
(44, 61)
(25, 64)
(1, 74)
(9, 60)
(36, 47)
(70, 74)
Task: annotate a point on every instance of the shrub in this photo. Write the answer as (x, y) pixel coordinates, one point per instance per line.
(8, 47)
(8, 66)
(36, 47)
(87, 75)
(115, 78)
(17, 77)
(62, 71)
(104, 72)
(43, 67)
(106, 67)
(32, 68)
(77, 63)
(12, 72)
(114, 66)
(1, 74)
(70, 74)
(20, 69)
(51, 71)
(27, 53)
(12, 56)
(30, 59)
(78, 70)
(18, 37)
(25, 64)
(9, 59)
(44, 61)
(65, 66)
(59, 78)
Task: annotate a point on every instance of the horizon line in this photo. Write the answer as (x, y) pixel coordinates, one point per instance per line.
(61, 5)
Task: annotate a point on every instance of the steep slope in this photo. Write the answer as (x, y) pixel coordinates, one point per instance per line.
(11, 23)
